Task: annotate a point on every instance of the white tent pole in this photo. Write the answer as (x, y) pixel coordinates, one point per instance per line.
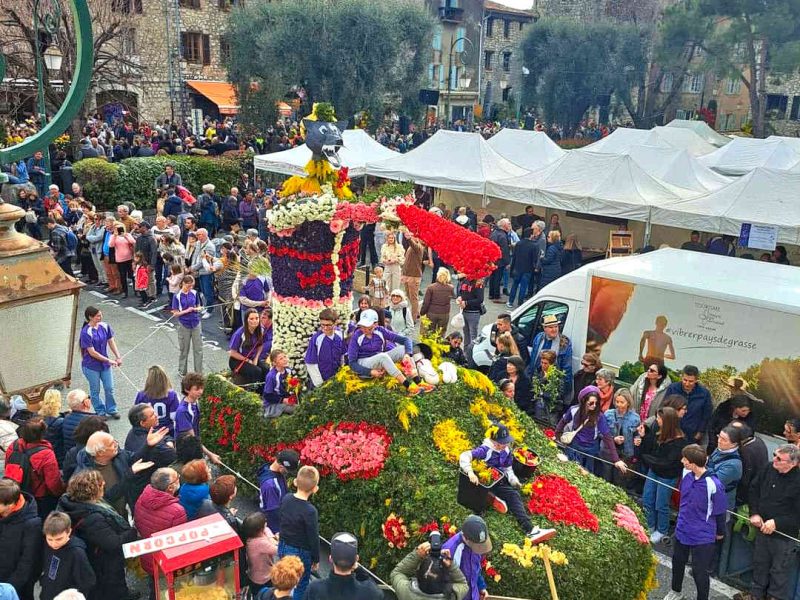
(648, 227)
(484, 199)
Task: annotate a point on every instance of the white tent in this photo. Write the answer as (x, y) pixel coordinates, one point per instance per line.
(449, 160)
(677, 167)
(529, 149)
(600, 184)
(743, 155)
(702, 129)
(623, 138)
(358, 148)
(792, 141)
(763, 196)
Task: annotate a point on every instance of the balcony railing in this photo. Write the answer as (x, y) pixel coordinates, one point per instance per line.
(451, 14)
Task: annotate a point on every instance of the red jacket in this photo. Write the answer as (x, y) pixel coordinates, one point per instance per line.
(156, 511)
(45, 477)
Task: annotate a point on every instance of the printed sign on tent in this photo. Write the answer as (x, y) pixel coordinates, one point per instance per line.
(759, 237)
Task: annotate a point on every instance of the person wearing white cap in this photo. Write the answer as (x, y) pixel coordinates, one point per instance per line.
(373, 351)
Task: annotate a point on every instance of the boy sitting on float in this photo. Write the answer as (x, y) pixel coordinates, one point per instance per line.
(495, 452)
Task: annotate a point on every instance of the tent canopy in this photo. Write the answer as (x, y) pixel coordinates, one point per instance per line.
(743, 155)
(449, 160)
(530, 150)
(600, 184)
(623, 138)
(677, 167)
(358, 148)
(763, 196)
(702, 129)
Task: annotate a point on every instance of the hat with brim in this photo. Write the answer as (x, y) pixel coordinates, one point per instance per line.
(475, 534)
(289, 459)
(548, 320)
(344, 550)
(502, 435)
(368, 318)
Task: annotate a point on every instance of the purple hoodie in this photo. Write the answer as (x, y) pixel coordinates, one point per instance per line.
(470, 564)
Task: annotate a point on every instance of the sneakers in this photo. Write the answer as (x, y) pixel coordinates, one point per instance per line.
(673, 595)
(148, 303)
(509, 305)
(498, 504)
(538, 535)
(206, 315)
(656, 537)
(425, 387)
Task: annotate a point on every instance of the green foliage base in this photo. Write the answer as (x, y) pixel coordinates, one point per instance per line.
(417, 484)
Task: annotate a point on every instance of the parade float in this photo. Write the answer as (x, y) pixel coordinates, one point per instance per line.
(389, 460)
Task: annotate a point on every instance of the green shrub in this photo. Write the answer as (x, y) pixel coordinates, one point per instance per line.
(133, 179)
(100, 180)
(388, 189)
(417, 484)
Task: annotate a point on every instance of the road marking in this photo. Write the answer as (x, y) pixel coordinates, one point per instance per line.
(136, 311)
(110, 302)
(98, 294)
(154, 310)
(716, 585)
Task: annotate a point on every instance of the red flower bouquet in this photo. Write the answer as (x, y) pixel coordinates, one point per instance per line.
(549, 433)
(559, 501)
(395, 531)
(467, 252)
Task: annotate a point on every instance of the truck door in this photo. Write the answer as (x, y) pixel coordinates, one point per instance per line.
(529, 323)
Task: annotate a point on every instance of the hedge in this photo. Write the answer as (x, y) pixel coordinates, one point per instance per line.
(416, 483)
(131, 180)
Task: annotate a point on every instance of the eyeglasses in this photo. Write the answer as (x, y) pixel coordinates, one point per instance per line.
(326, 324)
(652, 370)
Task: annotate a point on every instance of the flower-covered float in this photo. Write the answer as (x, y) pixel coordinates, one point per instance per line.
(314, 239)
(392, 483)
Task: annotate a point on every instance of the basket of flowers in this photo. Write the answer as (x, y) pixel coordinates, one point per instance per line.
(525, 463)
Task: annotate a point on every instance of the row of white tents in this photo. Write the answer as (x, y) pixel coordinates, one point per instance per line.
(684, 175)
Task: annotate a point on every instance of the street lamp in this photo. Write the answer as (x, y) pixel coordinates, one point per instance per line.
(38, 310)
(46, 17)
(53, 58)
(463, 56)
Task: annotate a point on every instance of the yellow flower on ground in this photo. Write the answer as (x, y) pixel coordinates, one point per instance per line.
(525, 555)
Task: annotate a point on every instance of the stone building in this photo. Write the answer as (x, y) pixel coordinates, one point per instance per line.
(502, 68)
(179, 49)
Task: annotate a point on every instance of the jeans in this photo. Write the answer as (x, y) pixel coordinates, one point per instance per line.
(494, 283)
(472, 321)
(98, 265)
(159, 270)
(580, 457)
(125, 271)
(66, 265)
(702, 556)
(520, 283)
(656, 501)
(207, 289)
(95, 378)
(304, 555)
(385, 360)
(774, 561)
(194, 337)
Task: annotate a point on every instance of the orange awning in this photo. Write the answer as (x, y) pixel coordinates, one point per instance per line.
(220, 93)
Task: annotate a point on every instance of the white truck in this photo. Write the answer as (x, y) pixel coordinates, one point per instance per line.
(678, 307)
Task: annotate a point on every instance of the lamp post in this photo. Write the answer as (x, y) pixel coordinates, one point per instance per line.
(38, 301)
(463, 55)
(46, 16)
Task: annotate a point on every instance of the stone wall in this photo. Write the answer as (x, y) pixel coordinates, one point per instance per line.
(498, 44)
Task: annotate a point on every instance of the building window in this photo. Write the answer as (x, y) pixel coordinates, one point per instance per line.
(196, 47)
(127, 6)
(778, 104)
(227, 4)
(224, 49)
(190, 3)
(692, 83)
(795, 108)
(733, 86)
(506, 28)
(506, 62)
(520, 25)
(666, 83)
(489, 26)
(506, 94)
(488, 57)
(461, 34)
(437, 38)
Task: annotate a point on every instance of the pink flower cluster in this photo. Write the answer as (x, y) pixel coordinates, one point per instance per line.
(306, 303)
(357, 212)
(625, 518)
(348, 450)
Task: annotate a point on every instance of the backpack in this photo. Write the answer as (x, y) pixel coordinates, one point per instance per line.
(19, 467)
(72, 239)
(208, 210)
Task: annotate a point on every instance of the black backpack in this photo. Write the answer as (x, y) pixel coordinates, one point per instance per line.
(19, 467)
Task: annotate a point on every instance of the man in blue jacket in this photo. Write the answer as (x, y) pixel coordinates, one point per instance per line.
(550, 338)
(699, 407)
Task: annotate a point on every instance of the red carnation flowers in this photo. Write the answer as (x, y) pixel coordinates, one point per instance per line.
(559, 501)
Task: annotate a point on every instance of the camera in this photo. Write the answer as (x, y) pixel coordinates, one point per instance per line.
(435, 540)
(120, 230)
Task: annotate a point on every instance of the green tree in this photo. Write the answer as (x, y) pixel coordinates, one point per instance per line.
(356, 54)
(749, 40)
(575, 66)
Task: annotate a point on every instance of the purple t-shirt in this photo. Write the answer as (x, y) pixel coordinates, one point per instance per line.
(326, 352)
(239, 343)
(96, 338)
(181, 301)
(165, 408)
(187, 418)
(266, 348)
(275, 386)
(253, 289)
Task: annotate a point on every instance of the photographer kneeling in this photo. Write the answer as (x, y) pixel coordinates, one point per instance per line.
(429, 572)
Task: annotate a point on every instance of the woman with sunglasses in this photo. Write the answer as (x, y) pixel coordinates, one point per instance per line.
(649, 390)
